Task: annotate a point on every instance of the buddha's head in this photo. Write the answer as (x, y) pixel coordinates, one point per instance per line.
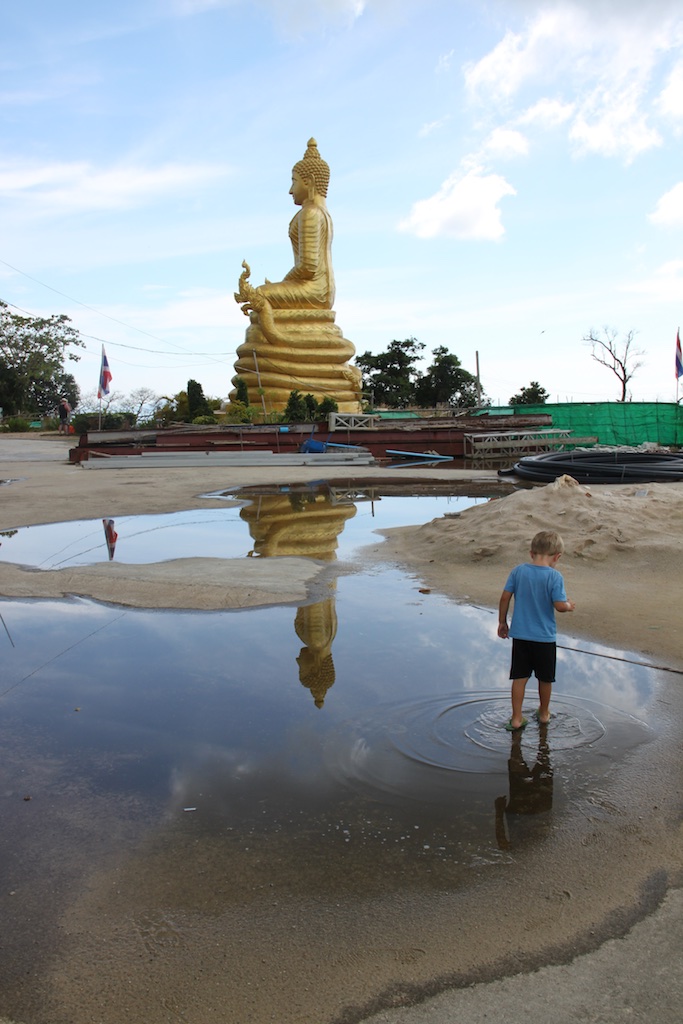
(310, 175)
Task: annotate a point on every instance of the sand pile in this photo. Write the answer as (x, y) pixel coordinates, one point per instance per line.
(641, 520)
(623, 557)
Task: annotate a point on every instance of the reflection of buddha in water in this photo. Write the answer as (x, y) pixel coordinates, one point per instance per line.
(292, 342)
(316, 627)
(306, 525)
(531, 790)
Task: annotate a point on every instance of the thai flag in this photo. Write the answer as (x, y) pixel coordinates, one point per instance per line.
(679, 355)
(105, 376)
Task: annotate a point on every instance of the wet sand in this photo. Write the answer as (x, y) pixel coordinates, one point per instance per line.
(129, 938)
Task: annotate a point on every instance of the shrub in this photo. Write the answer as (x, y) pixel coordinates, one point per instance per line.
(238, 412)
(306, 408)
(327, 406)
(114, 421)
(82, 422)
(17, 424)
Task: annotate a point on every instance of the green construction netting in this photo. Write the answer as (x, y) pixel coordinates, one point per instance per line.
(630, 423)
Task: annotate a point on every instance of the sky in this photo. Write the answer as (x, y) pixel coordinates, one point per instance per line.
(506, 176)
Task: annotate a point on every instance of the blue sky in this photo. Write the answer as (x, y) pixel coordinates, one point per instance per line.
(506, 175)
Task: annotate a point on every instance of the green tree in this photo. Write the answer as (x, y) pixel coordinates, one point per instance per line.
(44, 395)
(312, 408)
(327, 406)
(196, 402)
(9, 389)
(241, 391)
(296, 410)
(533, 394)
(33, 352)
(391, 376)
(175, 409)
(446, 383)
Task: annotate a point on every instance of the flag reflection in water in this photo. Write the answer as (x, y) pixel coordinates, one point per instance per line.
(110, 535)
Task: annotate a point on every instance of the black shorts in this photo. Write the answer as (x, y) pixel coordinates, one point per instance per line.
(533, 656)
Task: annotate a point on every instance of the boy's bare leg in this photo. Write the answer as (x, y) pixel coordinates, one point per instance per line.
(544, 692)
(518, 688)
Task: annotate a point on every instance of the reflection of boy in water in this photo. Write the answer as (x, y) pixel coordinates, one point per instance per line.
(531, 790)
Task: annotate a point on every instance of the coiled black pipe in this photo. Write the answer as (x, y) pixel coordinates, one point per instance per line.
(604, 467)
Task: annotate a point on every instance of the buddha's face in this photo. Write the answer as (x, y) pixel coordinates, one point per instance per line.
(299, 190)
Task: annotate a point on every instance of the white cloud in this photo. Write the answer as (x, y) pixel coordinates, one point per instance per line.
(665, 284)
(669, 209)
(506, 143)
(604, 63)
(466, 207)
(432, 126)
(444, 62)
(190, 309)
(25, 97)
(187, 8)
(547, 113)
(305, 15)
(670, 100)
(534, 53)
(611, 124)
(63, 188)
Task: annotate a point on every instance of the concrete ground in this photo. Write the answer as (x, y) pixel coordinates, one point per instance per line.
(638, 978)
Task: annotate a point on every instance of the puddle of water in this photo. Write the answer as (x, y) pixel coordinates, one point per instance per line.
(351, 748)
(374, 694)
(199, 533)
(211, 533)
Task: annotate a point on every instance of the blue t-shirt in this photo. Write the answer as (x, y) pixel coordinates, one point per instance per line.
(535, 589)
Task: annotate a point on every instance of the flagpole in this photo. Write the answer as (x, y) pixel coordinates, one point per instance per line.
(99, 390)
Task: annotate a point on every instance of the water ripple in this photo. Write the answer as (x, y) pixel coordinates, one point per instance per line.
(395, 747)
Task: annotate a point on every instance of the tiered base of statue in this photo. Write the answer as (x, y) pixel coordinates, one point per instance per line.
(310, 355)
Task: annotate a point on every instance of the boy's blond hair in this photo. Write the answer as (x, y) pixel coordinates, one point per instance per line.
(547, 542)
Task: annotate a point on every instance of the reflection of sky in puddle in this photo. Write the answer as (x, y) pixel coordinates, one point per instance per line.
(374, 714)
(207, 709)
(197, 533)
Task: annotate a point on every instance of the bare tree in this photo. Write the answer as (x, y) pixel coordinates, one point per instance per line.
(89, 402)
(618, 355)
(142, 396)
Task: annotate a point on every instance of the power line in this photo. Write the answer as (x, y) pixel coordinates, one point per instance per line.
(122, 323)
(78, 302)
(138, 348)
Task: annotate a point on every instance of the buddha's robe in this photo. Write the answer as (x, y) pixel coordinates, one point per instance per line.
(310, 282)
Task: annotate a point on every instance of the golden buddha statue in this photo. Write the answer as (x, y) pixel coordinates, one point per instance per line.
(292, 342)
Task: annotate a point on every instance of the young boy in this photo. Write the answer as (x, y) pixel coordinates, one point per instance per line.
(538, 589)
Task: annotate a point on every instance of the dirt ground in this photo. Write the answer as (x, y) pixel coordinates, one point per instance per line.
(596, 875)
